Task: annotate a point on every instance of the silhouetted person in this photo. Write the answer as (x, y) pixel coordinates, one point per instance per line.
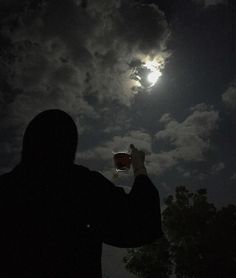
(55, 215)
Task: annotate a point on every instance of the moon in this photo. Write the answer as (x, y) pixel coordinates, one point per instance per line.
(146, 73)
(154, 74)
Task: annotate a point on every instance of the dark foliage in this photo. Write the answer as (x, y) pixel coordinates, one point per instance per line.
(199, 240)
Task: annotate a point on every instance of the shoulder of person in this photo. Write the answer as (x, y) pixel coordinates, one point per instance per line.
(6, 182)
(81, 170)
(91, 176)
(8, 176)
(4, 178)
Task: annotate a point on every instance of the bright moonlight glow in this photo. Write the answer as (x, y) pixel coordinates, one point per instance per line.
(154, 74)
(146, 72)
(153, 77)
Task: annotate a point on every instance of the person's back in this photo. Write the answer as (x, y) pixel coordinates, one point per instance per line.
(55, 215)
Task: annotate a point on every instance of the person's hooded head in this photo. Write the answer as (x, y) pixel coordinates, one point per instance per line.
(50, 141)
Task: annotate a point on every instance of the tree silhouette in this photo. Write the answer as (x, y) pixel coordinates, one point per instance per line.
(152, 260)
(199, 242)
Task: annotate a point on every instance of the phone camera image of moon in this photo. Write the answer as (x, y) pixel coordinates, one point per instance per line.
(147, 74)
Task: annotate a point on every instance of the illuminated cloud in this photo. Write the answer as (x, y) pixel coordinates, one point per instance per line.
(64, 52)
(188, 141)
(140, 139)
(229, 97)
(233, 177)
(75, 56)
(216, 168)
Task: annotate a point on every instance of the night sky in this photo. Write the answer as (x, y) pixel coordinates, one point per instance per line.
(79, 56)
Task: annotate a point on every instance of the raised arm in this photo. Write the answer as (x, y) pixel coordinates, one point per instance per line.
(133, 219)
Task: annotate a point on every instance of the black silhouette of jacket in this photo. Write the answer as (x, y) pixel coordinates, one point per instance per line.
(54, 226)
(55, 215)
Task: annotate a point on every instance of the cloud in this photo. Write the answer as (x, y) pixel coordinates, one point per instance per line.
(233, 177)
(165, 118)
(81, 52)
(216, 168)
(140, 139)
(208, 2)
(229, 97)
(73, 55)
(158, 163)
(188, 140)
(103, 154)
(214, 2)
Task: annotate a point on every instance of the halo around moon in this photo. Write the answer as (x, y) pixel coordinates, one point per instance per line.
(146, 73)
